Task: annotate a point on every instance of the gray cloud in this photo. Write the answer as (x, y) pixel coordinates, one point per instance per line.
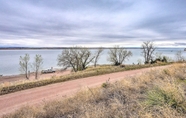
(85, 22)
(182, 44)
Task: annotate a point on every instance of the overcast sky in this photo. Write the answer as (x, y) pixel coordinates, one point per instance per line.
(92, 22)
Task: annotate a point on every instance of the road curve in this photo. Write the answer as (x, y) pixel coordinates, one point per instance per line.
(13, 101)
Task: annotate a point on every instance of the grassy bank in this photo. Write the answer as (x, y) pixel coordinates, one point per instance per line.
(91, 71)
(157, 94)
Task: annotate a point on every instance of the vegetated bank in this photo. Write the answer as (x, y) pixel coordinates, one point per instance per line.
(13, 87)
(156, 94)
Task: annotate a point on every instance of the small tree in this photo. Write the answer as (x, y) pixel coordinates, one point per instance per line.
(148, 51)
(24, 64)
(77, 58)
(118, 55)
(97, 55)
(179, 56)
(38, 61)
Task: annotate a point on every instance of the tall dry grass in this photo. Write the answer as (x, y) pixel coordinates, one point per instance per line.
(156, 94)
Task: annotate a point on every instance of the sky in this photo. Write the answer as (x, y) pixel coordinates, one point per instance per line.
(92, 23)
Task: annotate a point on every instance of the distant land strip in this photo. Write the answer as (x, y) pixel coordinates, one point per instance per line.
(53, 48)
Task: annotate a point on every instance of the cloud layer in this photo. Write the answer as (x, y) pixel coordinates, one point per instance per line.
(92, 22)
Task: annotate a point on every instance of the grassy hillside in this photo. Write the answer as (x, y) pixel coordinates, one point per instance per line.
(156, 94)
(10, 87)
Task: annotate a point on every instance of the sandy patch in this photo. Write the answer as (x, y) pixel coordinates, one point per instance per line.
(13, 78)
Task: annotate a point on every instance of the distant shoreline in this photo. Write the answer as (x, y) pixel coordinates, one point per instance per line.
(54, 48)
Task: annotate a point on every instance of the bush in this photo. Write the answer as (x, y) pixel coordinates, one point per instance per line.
(165, 96)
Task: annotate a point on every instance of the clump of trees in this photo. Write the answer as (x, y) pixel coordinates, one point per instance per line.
(159, 58)
(24, 62)
(148, 50)
(77, 58)
(162, 59)
(118, 55)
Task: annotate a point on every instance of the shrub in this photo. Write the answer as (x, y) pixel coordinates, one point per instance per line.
(104, 85)
(166, 97)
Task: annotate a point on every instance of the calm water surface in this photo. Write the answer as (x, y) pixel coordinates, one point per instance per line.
(9, 59)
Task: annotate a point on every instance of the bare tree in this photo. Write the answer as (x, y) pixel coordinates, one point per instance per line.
(97, 55)
(24, 64)
(179, 56)
(86, 57)
(65, 58)
(38, 61)
(118, 55)
(148, 51)
(78, 58)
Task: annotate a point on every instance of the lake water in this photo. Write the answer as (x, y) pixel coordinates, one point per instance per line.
(9, 59)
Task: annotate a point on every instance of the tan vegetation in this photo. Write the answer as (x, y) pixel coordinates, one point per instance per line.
(91, 71)
(157, 94)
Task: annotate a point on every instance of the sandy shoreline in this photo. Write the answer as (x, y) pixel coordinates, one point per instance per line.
(12, 78)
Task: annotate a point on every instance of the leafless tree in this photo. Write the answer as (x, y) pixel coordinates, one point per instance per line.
(97, 55)
(38, 61)
(86, 57)
(118, 55)
(179, 56)
(24, 65)
(78, 58)
(148, 51)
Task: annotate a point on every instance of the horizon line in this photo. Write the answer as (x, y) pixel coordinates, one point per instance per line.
(35, 48)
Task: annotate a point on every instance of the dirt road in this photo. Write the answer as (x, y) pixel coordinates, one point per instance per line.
(13, 101)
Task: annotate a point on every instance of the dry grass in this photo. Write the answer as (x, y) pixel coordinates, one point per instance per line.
(157, 94)
(9, 87)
